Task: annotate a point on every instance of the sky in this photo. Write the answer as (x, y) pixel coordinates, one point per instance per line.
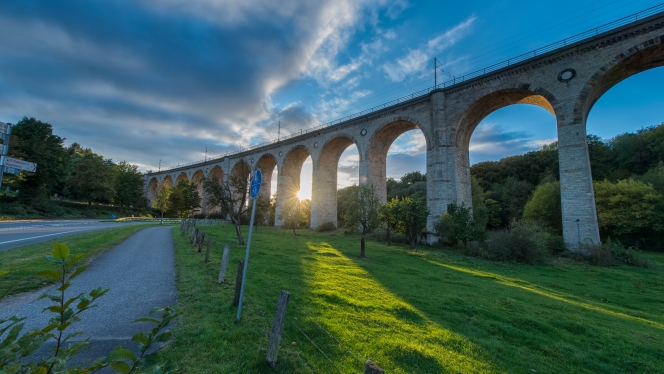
(160, 83)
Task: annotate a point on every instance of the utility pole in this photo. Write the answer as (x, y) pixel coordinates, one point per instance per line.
(205, 155)
(279, 132)
(435, 72)
(159, 164)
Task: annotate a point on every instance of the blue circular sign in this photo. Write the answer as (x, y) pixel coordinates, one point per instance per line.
(255, 186)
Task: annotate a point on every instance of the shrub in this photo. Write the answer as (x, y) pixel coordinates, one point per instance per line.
(327, 226)
(611, 253)
(522, 242)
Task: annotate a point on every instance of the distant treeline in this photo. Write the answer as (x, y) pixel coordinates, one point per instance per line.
(71, 172)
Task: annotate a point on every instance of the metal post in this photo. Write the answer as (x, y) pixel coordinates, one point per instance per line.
(5, 150)
(246, 260)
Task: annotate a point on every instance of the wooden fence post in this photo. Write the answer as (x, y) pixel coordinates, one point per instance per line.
(207, 252)
(277, 328)
(238, 283)
(371, 368)
(201, 241)
(224, 263)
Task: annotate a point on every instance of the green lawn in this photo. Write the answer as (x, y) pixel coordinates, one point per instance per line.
(22, 263)
(423, 311)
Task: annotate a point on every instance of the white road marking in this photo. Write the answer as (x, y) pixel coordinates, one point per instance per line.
(40, 236)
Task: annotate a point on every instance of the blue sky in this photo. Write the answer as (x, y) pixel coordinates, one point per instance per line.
(150, 80)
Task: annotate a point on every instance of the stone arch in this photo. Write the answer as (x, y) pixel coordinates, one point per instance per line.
(499, 99)
(480, 109)
(267, 162)
(197, 179)
(324, 194)
(376, 154)
(635, 60)
(168, 181)
(217, 172)
(288, 183)
(182, 177)
(152, 189)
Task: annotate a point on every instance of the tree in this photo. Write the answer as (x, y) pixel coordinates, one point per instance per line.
(94, 180)
(293, 213)
(388, 213)
(363, 211)
(230, 196)
(345, 197)
(263, 206)
(412, 217)
(544, 206)
(162, 201)
(458, 224)
(185, 198)
(629, 209)
(33, 140)
(128, 185)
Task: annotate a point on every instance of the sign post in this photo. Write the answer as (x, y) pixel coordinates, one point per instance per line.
(5, 131)
(254, 189)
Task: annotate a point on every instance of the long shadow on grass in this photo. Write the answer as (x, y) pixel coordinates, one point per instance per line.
(510, 323)
(376, 323)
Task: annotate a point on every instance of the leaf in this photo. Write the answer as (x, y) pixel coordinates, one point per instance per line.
(162, 337)
(123, 353)
(140, 337)
(75, 258)
(49, 274)
(60, 251)
(77, 272)
(120, 366)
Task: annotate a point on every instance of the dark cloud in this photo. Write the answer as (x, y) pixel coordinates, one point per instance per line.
(115, 75)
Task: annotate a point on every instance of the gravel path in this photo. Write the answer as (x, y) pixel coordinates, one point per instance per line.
(140, 273)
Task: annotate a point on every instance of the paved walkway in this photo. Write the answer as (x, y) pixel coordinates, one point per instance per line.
(140, 273)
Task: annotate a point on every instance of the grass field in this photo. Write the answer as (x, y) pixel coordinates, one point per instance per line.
(421, 311)
(23, 263)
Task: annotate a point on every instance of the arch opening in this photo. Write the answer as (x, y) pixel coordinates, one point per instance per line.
(646, 59)
(152, 189)
(381, 144)
(218, 173)
(289, 182)
(628, 128)
(181, 177)
(197, 179)
(168, 181)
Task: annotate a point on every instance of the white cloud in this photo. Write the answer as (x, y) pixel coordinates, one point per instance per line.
(416, 59)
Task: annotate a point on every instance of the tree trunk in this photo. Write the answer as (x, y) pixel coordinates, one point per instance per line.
(389, 238)
(362, 247)
(162, 218)
(238, 231)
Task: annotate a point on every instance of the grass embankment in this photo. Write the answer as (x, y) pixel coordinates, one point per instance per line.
(23, 263)
(422, 311)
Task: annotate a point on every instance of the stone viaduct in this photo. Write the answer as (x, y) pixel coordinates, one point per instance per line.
(565, 78)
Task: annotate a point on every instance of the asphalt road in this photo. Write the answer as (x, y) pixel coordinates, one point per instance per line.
(140, 273)
(19, 233)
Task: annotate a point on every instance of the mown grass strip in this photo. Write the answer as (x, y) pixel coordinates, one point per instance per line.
(22, 263)
(422, 311)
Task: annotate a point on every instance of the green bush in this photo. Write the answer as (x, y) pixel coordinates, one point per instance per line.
(611, 253)
(327, 226)
(523, 241)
